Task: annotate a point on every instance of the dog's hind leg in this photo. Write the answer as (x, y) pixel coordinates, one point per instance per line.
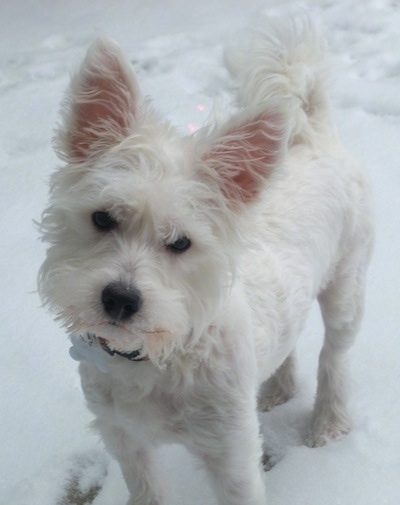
(280, 387)
(342, 304)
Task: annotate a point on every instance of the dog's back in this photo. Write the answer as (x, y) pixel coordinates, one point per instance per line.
(315, 228)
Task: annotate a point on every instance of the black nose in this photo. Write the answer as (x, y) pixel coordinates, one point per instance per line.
(120, 301)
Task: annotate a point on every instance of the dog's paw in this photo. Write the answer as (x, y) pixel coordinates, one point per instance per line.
(326, 432)
(280, 387)
(269, 459)
(271, 399)
(266, 462)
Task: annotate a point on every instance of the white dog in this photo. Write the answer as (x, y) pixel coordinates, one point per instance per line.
(185, 267)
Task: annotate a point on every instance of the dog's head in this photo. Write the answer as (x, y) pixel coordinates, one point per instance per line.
(143, 225)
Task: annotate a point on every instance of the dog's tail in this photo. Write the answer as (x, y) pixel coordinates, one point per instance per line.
(284, 63)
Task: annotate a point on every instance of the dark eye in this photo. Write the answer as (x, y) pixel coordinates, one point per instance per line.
(180, 245)
(103, 220)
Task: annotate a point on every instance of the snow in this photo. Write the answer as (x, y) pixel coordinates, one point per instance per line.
(48, 453)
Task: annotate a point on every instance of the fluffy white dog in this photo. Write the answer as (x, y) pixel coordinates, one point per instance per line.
(185, 267)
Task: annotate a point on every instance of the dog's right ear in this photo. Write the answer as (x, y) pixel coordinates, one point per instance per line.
(101, 103)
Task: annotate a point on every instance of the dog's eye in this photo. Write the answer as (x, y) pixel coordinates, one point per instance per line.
(103, 220)
(180, 245)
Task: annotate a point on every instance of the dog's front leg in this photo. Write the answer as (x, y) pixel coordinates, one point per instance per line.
(138, 465)
(131, 448)
(232, 456)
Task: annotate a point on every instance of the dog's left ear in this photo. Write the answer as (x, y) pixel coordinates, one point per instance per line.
(245, 155)
(101, 103)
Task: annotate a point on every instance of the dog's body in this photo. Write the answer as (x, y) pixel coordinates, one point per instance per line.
(192, 270)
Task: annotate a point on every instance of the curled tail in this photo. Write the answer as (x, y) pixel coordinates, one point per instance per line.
(284, 63)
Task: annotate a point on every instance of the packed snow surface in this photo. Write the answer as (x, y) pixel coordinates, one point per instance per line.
(48, 454)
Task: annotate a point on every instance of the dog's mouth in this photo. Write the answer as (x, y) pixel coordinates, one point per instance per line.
(131, 356)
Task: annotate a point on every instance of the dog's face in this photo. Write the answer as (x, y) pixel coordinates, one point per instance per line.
(143, 225)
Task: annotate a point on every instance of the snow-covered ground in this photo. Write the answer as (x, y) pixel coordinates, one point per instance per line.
(48, 455)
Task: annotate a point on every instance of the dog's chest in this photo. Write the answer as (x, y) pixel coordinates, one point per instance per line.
(154, 406)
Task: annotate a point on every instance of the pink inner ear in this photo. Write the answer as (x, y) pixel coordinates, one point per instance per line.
(246, 157)
(103, 106)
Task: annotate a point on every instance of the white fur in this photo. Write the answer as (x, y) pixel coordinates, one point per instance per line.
(278, 214)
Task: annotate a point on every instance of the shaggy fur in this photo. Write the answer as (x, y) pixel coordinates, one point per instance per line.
(213, 248)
